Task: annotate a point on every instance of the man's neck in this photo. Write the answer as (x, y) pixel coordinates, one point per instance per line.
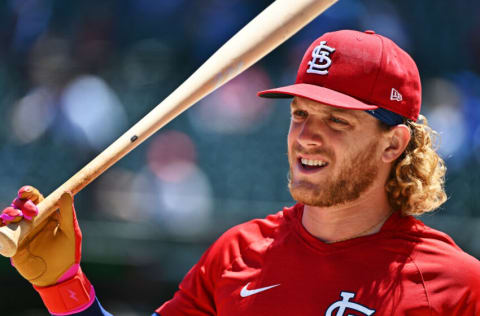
(364, 216)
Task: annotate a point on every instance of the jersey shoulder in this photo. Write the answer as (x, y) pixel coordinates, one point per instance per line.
(443, 264)
(246, 245)
(435, 244)
(255, 234)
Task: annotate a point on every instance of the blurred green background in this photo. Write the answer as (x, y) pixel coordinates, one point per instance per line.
(74, 75)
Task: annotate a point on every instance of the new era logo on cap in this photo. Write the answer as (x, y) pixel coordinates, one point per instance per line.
(395, 95)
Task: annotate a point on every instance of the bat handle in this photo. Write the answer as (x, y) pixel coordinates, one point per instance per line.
(12, 235)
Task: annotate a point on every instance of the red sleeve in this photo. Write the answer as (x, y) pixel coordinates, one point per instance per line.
(195, 296)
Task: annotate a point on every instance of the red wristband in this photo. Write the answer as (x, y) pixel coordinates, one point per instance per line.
(70, 296)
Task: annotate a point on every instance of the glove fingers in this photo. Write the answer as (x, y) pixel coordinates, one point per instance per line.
(24, 206)
(10, 215)
(28, 192)
(28, 208)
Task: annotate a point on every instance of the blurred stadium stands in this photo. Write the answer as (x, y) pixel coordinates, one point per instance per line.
(74, 75)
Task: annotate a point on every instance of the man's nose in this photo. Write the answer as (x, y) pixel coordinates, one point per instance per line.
(311, 134)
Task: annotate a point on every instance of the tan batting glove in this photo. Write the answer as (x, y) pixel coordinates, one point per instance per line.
(49, 257)
(49, 251)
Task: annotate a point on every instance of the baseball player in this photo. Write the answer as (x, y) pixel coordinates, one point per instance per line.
(361, 164)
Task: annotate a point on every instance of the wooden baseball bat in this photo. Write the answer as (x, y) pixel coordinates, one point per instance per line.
(265, 32)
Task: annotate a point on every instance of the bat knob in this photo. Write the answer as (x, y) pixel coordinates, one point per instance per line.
(9, 236)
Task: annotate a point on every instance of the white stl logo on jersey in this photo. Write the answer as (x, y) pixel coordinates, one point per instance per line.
(340, 307)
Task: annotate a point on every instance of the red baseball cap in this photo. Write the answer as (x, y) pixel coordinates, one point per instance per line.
(360, 71)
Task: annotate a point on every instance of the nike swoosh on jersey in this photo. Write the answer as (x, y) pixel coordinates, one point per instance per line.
(246, 292)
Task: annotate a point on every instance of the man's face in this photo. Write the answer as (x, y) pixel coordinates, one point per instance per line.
(333, 153)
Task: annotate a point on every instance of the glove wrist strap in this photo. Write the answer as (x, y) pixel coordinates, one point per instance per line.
(71, 296)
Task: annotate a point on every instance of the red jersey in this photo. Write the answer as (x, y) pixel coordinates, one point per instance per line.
(273, 266)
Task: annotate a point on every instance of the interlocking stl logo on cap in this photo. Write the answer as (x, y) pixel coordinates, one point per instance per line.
(320, 59)
(358, 71)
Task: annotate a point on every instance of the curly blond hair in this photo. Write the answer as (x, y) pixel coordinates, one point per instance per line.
(416, 182)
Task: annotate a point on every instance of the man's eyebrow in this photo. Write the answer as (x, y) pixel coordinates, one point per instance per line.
(327, 109)
(353, 113)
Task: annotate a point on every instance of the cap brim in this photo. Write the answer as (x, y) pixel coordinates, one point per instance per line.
(318, 94)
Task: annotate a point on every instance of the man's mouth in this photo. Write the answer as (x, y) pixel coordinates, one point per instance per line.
(312, 164)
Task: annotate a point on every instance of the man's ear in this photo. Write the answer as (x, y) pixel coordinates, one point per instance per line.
(397, 140)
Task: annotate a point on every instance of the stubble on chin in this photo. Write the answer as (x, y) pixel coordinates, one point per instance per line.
(355, 177)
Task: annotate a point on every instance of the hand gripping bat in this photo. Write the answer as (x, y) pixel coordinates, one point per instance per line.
(265, 32)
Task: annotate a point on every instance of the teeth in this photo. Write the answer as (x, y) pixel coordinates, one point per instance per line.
(313, 163)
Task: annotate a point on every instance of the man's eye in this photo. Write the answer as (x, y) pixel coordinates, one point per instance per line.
(338, 120)
(299, 114)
